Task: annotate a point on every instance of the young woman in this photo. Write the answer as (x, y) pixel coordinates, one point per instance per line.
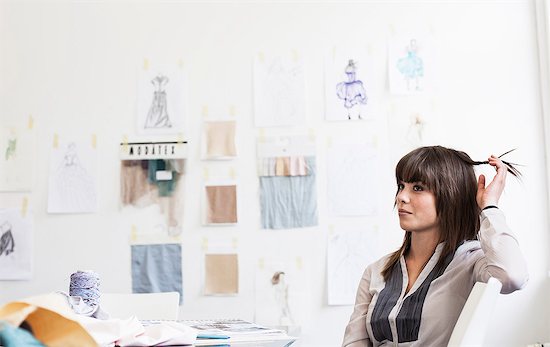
(455, 236)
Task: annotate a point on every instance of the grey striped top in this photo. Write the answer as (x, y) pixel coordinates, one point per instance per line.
(425, 316)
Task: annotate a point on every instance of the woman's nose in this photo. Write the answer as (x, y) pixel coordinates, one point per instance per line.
(402, 196)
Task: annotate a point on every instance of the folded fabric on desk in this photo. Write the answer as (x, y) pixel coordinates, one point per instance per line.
(53, 322)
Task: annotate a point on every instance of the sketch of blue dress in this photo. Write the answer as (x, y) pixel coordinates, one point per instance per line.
(158, 112)
(411, 66)
(351, 91)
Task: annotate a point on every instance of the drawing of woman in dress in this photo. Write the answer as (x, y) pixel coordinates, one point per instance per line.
(351, 91)
(158, 112)
(411, 66)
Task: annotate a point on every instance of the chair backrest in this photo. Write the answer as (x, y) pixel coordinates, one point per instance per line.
(145, 306)
(472, 323)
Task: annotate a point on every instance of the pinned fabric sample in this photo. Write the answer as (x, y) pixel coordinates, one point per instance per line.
(15, 245)
(157, 268)
(221, 204)
(155, 182)
(288, 201)
(220, 140)
(221, 274)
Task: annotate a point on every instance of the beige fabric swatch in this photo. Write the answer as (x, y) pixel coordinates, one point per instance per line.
(221, 204)
(282, 166)
(221, 274)
(220, 139)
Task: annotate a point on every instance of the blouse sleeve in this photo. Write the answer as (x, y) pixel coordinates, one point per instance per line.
(356, 330)
(502, 257)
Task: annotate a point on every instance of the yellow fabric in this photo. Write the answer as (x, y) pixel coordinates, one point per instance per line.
(51, 319)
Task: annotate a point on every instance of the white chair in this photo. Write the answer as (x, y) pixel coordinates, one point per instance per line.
(472, 323)
(145, 306)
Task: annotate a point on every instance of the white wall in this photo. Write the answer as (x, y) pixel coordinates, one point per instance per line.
(73, 67)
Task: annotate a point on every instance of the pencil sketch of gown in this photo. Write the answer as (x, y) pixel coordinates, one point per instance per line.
(157, 117)
(74, 188)
(6, 239)
(351, 91)
(411, 66)
(280, 291)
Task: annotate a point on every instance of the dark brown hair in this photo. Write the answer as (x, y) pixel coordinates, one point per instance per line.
(450, 175)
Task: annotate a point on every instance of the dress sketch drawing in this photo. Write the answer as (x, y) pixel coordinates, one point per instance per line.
(158, 117)
(351, 91)
(6, 239)
(280, 291)
(73, 187)
(11, 149)
(411, 66)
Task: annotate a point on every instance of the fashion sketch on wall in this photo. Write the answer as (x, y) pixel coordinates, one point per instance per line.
(279, 90)
(17, 148)
(15, 244)
(348, 79)
(74, 173)
(161, 100)
(411, 64)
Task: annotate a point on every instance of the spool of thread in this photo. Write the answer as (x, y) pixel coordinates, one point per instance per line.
(86, 285)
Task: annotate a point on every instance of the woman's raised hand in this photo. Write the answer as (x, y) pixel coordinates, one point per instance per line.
(490, 195)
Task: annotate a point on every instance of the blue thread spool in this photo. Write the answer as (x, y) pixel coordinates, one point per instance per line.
(86, 285)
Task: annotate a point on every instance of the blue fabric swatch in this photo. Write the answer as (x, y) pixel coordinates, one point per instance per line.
(156, 269)
(289, 201)
(16, 337)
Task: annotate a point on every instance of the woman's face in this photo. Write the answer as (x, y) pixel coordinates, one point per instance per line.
(416, 207)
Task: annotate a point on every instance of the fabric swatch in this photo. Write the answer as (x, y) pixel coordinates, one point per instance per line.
(220, 139)
(157, 268)
(221, 274)
(289, 201)
(221, 204)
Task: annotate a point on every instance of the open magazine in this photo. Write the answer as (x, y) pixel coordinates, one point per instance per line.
(222, 332)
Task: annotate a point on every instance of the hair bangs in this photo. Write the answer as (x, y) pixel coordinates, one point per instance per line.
(417, 166)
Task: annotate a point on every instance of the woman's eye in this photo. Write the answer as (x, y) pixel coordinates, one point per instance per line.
(417, 188)
(400, 186)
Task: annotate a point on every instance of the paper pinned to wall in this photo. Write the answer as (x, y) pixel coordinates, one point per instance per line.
(279, 90)
(157, 268)
(74, 176)
(153, 202)
(220, 203)
(219, 140)
(161, 99)
(17, 148)
(348, 254)
(15, 244)
(282, 292)
(221, 274)
(352, 177)
(349, 80)
(411, 64)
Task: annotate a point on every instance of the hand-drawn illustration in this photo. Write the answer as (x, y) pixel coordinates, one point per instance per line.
(6, 240)
(11, 148)
(348, 84)
(280, 291)
(351, 91)
(157, 116)
(411, 66)
(17, 161)
(72, 180)
(349, 253)
(15, 244)
(161, 100)
(279, 92)
(416, 129)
